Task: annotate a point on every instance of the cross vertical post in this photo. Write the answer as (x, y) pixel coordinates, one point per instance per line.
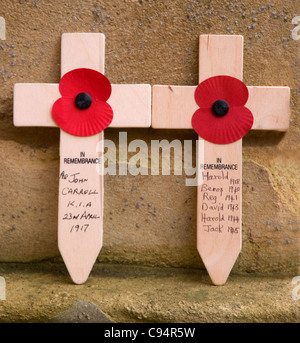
(219, 196)
(80, 212)
(80, 216)
(219, 230)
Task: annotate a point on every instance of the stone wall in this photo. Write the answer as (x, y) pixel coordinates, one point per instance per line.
(150, 220)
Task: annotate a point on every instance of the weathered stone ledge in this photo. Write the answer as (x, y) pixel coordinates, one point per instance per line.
(43, 292)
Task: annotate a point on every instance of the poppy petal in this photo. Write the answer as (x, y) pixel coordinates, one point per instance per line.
(224, 130)
(82, 122)
(221, 87)
(85, 80)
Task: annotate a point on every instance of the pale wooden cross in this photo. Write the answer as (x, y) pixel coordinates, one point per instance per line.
(219, 229)
(80, 216)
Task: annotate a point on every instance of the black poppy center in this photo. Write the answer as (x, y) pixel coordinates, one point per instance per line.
(83, 101)
(220, 108)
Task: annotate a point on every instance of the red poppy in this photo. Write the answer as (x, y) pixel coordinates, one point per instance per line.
(82, 110)
(222, 117)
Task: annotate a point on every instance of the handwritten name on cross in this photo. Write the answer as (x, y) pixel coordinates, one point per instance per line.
(219, 197)
(80, 213)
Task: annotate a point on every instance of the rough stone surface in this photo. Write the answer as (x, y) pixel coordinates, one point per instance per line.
(152, 42)
(129, 294)
(81, 312)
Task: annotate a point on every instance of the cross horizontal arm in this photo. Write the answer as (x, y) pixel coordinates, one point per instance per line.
(174, 106)
(270, 107)
(131, 105)
(33, 102)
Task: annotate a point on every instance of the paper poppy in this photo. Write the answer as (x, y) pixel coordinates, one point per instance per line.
(82, 110)
(222, 117)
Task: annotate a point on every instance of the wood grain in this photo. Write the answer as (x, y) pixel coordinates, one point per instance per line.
(131, 105)
(219, 209)
(80, 210)
(82, 50)
(220, 55)
(33, 103)
(79, 249)
(173, 107)
(270, 107)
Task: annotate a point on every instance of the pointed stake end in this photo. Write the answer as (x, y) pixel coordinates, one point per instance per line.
(79, 275)
(219, 269)
(79, 280)
(218, 281)
(79, 266)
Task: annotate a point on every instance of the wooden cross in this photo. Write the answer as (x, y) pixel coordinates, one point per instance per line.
(80, 214)
(219, 201)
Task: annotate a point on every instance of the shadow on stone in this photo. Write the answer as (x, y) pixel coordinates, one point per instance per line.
(81, 312)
